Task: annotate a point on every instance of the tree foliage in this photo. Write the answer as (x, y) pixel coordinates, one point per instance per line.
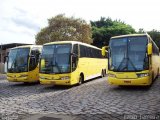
(141, 31)
(105, 28)
(62, 28)
(155, 35)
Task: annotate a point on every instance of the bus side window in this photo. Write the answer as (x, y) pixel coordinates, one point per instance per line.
(75, 49)
(75, 57)
(82, 51)
(34, 59)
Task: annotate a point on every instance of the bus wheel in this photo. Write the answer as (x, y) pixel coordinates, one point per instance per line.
(157, 72)
(26, 83)
(152, 77)
(81, 79)
(102, 74)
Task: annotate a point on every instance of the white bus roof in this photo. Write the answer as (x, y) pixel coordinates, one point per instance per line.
(27, 46)
(72, 42)
(129, 35)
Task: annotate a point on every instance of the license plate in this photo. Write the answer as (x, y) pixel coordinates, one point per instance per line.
(52, 82)
(126, 81)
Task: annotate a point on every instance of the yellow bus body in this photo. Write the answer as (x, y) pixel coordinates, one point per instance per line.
(131, 78)
(29, 76)
(89, 67)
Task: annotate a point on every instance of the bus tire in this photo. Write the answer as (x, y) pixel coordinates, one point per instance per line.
(81, 79)
(102, 73)
(26, 83)
(152, 77)
(157, 72)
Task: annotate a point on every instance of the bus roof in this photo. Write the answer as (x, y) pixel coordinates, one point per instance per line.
(27, 46)
(129, 35)
(72, 42)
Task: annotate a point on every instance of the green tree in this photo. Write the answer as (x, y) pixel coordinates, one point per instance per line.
(155, 35)
(62, 28)
(141, 31)
(105, 28)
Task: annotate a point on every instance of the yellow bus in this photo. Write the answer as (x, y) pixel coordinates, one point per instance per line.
(22, 64)
(70, 62)
(132, 60)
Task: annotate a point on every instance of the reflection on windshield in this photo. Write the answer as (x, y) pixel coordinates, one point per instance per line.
(18, 60)
(128, 54)
(55, 58)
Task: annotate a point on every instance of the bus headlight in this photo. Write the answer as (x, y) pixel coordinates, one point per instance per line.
(142, 74)
(111, 75)
(65, 78)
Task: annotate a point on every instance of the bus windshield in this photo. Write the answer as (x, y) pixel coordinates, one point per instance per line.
(128, 54)
(18, 60)
(56, 59)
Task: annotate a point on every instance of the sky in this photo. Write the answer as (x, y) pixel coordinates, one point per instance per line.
(21, 20)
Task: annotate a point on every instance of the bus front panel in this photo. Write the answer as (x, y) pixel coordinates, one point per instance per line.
(130, 78)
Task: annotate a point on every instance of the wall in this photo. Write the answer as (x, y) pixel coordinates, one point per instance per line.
(1, 67)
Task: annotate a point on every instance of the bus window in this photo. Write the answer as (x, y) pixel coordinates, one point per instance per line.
(34, 58)
(75, 57)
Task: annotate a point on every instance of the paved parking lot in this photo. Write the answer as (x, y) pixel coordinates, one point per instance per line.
(92, 100)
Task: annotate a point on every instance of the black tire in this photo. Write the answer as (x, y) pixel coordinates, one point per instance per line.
(102, 74)
(26, 83)
(105, 73)
(152, 77)
(81, 79)
(157, 72)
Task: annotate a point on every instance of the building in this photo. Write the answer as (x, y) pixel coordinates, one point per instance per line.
(4, 51)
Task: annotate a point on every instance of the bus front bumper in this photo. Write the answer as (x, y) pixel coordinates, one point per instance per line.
(55, 82)
(20, 77)
(24, 79)
(144, 81)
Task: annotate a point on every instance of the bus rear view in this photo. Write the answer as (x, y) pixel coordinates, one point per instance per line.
(131, 61)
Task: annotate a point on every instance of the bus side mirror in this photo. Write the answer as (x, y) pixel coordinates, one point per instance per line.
(103, 52)
(32, 60)
(149, 49)
(74, 55)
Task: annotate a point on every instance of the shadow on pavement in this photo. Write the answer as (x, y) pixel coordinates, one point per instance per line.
(134, 88)
(16, 84)
(56, 87)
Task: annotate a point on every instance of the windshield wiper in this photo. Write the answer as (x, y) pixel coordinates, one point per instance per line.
(126, 63)
(119, 67)
(132, 64)
(121, 62)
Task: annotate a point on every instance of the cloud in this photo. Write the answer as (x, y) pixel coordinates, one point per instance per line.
(23, 19)
(17, 25)
(20, 18)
